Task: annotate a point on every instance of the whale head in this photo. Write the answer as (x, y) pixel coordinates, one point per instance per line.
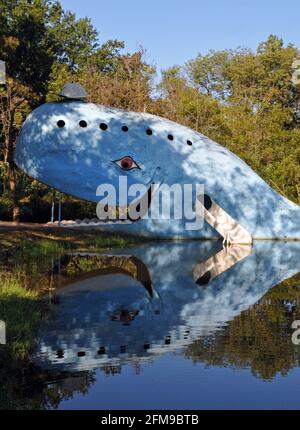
(74, 147)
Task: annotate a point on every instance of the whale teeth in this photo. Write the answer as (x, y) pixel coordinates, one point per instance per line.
(85, 222)
(113, 214)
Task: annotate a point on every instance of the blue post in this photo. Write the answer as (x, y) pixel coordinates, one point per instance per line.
(53, 206)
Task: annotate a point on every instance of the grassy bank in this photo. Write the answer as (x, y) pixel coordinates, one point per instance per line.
(66, 239)
(22, 313)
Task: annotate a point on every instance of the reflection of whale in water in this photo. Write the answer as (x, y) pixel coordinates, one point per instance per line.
(114, 265)
(206, 271)
(112, 320)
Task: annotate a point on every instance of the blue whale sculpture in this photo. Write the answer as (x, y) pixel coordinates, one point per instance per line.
(75, 146)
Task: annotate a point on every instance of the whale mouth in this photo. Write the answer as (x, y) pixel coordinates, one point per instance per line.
(116, 214)
(120, 214)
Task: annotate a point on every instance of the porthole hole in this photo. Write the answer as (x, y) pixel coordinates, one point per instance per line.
(60, 353)
(83, 123)
(101, 350)
(61, 123)
(103, 126)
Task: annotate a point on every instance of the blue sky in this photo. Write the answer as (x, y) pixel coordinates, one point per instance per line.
(174, 31)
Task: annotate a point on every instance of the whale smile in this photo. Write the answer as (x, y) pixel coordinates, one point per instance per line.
(131, 213)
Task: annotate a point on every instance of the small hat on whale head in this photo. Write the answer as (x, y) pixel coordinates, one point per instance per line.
(73, 91)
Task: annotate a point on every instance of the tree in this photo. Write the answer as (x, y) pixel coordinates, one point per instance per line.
(36, 38)
(246, 101)
(125, 83)
(13, 101)
(185, 104)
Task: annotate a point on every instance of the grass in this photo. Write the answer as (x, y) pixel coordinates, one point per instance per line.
(66, 239)
(24, 264)
(22, 312)
(11, 285)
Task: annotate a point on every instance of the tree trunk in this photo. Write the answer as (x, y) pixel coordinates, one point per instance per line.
(7, 117)
(12, 189)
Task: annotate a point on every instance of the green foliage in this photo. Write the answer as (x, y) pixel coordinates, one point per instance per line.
(16, 304)
(37, 34)
(247, 102)
(74, 39)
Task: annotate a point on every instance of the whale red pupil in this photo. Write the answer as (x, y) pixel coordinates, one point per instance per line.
(126, 163)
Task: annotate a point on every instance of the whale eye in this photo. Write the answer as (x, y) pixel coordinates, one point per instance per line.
(127, 163)
(103, 126)
(170, 137)
(149, 131)
(83, 123)
(61, 123)
(189, 142)
(125, 128)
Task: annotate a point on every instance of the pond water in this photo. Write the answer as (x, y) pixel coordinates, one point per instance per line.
(168, 325)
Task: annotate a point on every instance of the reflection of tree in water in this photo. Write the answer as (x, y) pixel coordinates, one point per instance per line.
(259, 338)
(111, 370)
(26, 387)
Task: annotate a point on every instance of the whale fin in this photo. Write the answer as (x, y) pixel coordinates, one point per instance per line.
(231, 231)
